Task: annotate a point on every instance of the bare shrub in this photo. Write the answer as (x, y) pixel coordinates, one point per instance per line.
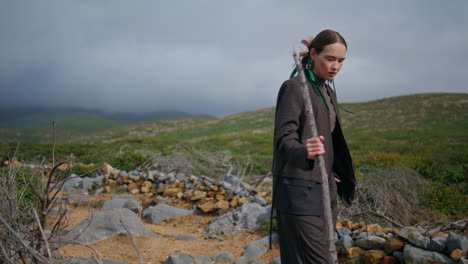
(191, 160)
(390, 197)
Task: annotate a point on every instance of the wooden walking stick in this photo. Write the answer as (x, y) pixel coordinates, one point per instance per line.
(310, 123)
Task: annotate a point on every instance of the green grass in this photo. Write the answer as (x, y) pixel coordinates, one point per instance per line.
(426, 132)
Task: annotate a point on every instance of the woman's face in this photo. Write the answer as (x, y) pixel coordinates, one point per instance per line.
(328, 63)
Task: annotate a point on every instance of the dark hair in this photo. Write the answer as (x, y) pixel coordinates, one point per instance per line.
(324, 38)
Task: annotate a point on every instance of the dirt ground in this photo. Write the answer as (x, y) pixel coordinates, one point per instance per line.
(157, 250)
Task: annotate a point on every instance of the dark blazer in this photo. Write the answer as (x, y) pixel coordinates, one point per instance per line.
(296, 185)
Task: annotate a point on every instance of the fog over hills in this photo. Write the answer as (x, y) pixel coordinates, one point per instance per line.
(39, 117)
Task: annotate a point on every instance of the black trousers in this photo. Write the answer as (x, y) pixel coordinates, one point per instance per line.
(303, 238)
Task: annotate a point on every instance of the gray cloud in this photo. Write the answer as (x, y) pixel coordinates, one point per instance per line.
(220, 57)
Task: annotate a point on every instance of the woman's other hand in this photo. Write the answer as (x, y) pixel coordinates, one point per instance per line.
(315, 147)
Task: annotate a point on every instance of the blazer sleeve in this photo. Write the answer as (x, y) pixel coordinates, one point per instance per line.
(288, 125)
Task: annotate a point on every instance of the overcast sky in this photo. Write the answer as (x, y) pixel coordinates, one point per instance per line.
(220, 57)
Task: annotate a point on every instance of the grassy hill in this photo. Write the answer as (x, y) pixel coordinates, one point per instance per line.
(425, 132)
(35, 124)
(406, 129)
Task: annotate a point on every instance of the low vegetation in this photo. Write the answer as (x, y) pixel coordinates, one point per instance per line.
(427, 133)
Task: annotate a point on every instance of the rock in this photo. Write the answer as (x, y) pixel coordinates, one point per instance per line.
(179, 258)
(222, 204)
(123, 196)
(455, 241)
(198, 195)
(89, 261)
(371, 242)
(224, 257)
(345, 242)
(157, 229)
(251, 254)
(362, 235)
(244, 200)
(132, 186)
(259, 199)
(89, 182)
(344, 231)
(457, 254)
(276, 260)
(234, 184)
(124, 179)
(131, 204)
(73, 182)
(159, 213)
(373, 256)
(439, 234)
(354, 252)
(105, 224)
(263, 241)
(172, 191)
(201, 259)
(106, 168)
(208, 207)
(393, 244)
(438, 244)
(419, 240)
(414, 255)
(350, 225)
(248, 217)
(406, 231)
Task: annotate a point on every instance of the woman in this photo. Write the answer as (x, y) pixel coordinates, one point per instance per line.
(297, 194)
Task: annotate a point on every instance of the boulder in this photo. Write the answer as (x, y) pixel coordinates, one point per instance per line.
(159, 213)
(259, 199)
(343, 231)
(419, 240)
(89, 182)
(247, 217)
(224, 257)
(438, 244)
(73, 182)
(456, 241)
(414, 255)
(131, 204)
(405, 232)
(265, 241)
(179, 258)
(345, 242)
(373, 256)
(393, 244)
(105, 224)
(251, 254)
(457, 254)
(371, 242)
(202, 259)
(354, 252)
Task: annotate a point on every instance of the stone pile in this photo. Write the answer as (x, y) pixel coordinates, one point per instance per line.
(205, 193)
(374, 244)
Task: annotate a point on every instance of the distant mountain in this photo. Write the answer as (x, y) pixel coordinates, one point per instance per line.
(35, 117)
